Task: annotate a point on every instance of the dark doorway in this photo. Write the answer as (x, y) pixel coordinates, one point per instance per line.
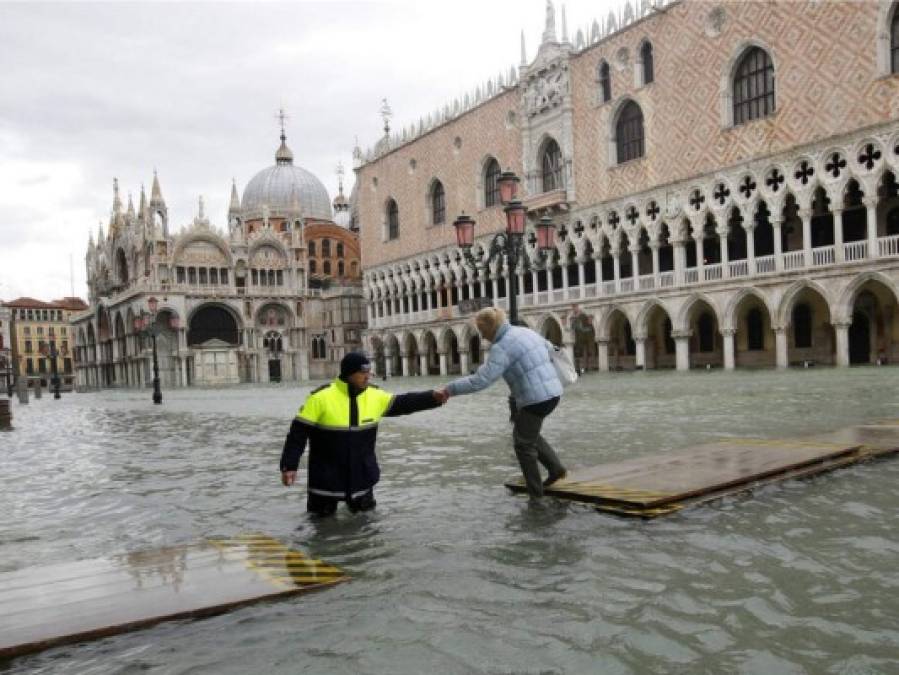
(274, 370)
(860, 339)
(706, 325)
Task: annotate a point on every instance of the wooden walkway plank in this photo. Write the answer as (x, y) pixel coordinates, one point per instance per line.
(57, 604)
(664, 483)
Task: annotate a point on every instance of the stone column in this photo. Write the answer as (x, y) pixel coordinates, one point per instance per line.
(700, 258)
(463, 362)
(640, 360)
(616, 266)
(549, 280)
(725, 254)
(842, 332)
(780, 346)
(388, 363)
(806, 216)
(682, 349)
(602, 350)
(494, 283)
(183, 362)
(839, 253)
(729, 361)
(580, 273)
(565, 280)
(635, 263)
(750, 246)
(776, 225)
(534, 285)
(444, 363)
(423, 364)
(871, 206)
(597, 273)
(654, 247)
(680, 261)
(406, 361)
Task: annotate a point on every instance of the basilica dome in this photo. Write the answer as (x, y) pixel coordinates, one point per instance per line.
(285, 188)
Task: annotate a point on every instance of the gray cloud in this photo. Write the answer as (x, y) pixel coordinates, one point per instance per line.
(192, 89)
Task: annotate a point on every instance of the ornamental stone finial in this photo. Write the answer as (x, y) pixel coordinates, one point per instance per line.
(549, 32)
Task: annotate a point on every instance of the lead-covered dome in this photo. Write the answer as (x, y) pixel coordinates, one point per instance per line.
(284, 188)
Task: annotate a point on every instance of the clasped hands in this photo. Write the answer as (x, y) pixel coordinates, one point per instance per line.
(441, 395)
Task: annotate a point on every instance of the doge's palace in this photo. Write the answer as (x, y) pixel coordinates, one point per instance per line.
(722, 177)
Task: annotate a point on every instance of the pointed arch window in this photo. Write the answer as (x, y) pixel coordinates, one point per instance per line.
(646, 58)
(605, 81)
(894, 43)
(753, 86)
(438, 203)
(393, 219)
(491, 183)
(629, 133)
(551, 164)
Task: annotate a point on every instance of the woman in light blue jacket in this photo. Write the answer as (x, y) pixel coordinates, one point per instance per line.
(521, 357)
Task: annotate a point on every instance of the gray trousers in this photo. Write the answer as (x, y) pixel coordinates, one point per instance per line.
(531, 448)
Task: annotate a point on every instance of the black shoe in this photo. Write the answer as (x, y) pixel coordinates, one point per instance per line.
(551, 479)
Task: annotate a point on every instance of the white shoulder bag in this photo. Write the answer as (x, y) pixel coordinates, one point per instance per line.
(564, 367)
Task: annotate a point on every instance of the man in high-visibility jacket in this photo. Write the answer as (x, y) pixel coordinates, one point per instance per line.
(340, 420)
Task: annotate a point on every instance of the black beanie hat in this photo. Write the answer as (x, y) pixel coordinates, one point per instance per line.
(353, 363)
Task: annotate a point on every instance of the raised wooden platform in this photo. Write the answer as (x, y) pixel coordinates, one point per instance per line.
(664, 483)
(71, 602)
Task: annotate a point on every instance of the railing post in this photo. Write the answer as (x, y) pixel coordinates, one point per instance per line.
(838, 252)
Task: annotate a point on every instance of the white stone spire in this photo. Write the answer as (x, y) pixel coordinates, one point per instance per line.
(234, 206)
(549, 32)
(564, 27)
(524, 54)
(156, 192)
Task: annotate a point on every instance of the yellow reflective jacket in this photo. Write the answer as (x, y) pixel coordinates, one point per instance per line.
(342, 428)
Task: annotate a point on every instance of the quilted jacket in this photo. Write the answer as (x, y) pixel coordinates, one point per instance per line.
(521, 357)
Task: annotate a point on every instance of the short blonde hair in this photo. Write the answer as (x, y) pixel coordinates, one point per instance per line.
(488, 321)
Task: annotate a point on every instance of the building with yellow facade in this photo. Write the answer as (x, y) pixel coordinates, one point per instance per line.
(37, 331)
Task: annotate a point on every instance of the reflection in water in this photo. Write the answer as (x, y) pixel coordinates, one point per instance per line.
(450, 573)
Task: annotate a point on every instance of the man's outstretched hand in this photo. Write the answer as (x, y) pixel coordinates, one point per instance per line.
(441, 395)
(288, 477)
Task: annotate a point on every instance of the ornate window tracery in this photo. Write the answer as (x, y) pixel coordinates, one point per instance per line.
(551, 164)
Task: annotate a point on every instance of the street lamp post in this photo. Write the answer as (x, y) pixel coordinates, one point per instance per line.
(7, 367)
(508, 245)
(148, 328)
(54, 371)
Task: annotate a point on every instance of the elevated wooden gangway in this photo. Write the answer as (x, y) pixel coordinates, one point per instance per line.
(664, 483)
(70, 602)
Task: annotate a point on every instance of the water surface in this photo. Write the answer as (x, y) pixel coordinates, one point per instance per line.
(451, 574)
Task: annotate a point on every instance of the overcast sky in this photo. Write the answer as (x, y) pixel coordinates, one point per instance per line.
(93, 91)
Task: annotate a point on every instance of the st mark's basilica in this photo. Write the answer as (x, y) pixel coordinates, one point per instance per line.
(275, 297)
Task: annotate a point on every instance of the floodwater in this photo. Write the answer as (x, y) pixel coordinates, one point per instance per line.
(451, 574)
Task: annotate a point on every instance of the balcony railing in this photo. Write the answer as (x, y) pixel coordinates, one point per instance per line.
(823, 255)
(888, 246)
(794, 260)
(820, 256)
(855, 250)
